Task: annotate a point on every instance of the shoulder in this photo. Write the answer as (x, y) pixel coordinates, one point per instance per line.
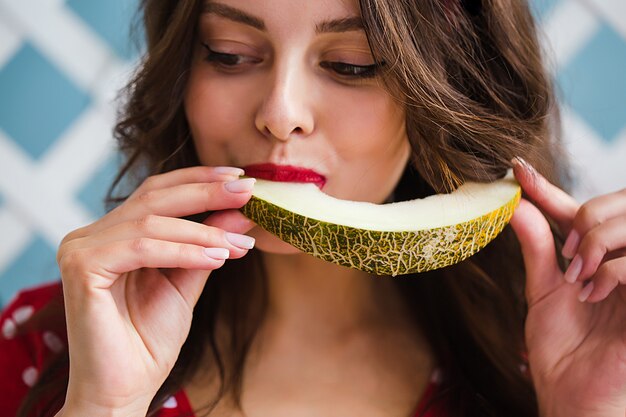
(36, 295)
(33, 308)
(32, 332)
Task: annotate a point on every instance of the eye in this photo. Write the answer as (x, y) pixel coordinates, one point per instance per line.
(352, 71)
(227, 60)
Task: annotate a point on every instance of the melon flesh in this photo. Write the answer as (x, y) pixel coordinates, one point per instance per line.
(385, 239)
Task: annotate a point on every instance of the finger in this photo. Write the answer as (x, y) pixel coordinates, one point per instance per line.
(595, 245)
(187, 199)
(231, 220)
(116, 258)
(605, 280)
(553, 201)
(179, 201)
(190, 283)
(594, 212)
(189, 176)
(169, 229)
(197, 174)
(543, 275)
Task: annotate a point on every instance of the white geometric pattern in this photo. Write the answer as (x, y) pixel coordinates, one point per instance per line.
(598, 166)
(564, 39)
(38, 195)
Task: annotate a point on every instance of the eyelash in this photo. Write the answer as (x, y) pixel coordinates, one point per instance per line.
(352, 71)
(222, 59)
(342, 69)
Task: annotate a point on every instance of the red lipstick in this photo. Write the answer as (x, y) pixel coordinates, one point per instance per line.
(284, 173)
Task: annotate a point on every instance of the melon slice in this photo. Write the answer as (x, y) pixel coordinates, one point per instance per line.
(385, 239)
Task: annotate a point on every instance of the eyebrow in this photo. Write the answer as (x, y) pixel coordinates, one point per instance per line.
(346, 24)
(233, 14)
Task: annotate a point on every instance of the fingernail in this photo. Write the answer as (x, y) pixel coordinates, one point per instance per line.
(241, 241)
(518, 160)
(217, 253)
(536, 181)
(585, 292)
(240, 186)
(572, 272)
(229, 171)
(570, 245)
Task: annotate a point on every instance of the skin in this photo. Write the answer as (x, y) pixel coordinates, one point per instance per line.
(135, 274)
(281, 105)
(577, 350)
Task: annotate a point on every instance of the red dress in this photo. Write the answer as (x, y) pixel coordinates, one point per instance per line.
(23, 356)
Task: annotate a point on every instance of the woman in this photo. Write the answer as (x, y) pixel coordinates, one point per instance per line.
(175, 301)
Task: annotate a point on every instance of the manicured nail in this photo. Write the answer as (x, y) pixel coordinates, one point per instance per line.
(530, 171)
(570, 245)
(572, 272)
(241, 241)
(217, 253)
(585, 292)
(229, 171)
(240, 186)
(518, 160)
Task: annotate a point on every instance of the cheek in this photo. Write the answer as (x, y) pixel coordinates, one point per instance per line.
(368, 123)
(371, 143)
(216, 112)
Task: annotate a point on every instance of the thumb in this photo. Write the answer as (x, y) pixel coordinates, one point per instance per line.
(543, 274)
(231, 220)
(190, 282)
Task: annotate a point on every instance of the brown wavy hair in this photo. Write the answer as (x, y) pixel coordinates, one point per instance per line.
(471, 77)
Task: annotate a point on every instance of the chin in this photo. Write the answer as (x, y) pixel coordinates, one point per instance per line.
(267, 242)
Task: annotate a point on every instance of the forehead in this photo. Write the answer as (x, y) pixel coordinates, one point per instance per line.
(274, 14)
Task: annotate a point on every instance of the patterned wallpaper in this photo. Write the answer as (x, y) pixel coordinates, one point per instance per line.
(61, 63)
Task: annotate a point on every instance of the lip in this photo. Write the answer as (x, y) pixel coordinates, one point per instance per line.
(284, 173)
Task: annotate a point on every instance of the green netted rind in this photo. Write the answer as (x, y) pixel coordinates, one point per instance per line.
(381, 253)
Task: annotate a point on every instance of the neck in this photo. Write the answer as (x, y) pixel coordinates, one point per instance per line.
(322, 298)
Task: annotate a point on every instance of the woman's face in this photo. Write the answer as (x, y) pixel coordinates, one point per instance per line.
(293, 82)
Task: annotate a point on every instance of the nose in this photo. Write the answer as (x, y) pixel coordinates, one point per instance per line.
(286, 109)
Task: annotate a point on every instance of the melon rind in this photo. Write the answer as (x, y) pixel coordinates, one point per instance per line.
(382, 252)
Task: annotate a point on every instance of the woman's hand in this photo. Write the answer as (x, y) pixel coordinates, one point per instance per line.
(132, 279)
(575, 333)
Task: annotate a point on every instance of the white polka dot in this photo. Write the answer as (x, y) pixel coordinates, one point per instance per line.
(23, 313)
(53, 342)
(9, 329)
(30, 376)
(170, 403)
